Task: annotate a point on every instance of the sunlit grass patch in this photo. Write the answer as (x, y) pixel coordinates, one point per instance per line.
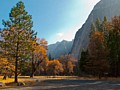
(11, 80)
(8, 80)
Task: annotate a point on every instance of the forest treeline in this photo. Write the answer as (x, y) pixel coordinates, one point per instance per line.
(102, 57)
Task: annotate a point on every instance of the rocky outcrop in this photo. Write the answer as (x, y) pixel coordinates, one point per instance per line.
(59, 49)
(109, 8)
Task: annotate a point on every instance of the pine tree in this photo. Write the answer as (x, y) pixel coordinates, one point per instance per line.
(98, 24)
(50, 58)
(83, 60)
(104, 27)
(17, 34)
(93, 28)
(114, 46)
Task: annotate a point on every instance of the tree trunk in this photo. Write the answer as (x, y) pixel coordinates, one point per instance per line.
(4, 77)
(99, 75)
(115, 68)
(32, 73)
(16, 65)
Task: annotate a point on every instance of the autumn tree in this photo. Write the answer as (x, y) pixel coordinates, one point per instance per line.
(39, 54)
(17, 34)
(54, 67)
(42, 69)
(6, 68)
(65, 60)
(70, 67)
(97, 63)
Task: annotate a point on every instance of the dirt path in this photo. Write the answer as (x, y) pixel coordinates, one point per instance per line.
(72, 85)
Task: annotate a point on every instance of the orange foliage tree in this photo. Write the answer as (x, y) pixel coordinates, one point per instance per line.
(68, 63)
(43, 67)
(6, 67)
(39, 53)
(97, 64)
(54, 67)
(97, 58)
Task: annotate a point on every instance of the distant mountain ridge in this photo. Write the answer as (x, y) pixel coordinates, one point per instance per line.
(59, 48)
(108, 8)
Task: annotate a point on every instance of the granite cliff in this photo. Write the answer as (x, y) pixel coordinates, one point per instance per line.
(108, 8)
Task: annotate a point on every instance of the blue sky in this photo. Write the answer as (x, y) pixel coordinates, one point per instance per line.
(54, 20)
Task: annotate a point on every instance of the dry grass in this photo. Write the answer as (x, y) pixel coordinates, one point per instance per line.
(77, 78)
(56, 77)
(27, 78)
(9, 80)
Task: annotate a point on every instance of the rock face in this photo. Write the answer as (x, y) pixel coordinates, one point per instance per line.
(108, 8)
(60, 48)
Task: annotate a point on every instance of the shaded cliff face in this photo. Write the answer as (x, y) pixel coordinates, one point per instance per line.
(109, 8)
(60, 48)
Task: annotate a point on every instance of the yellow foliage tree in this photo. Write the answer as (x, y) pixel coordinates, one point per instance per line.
(39, 53)
(54, 67)
(68, 63)
(43, 67)
(97, 64)
(70, 67)
(6, 67)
